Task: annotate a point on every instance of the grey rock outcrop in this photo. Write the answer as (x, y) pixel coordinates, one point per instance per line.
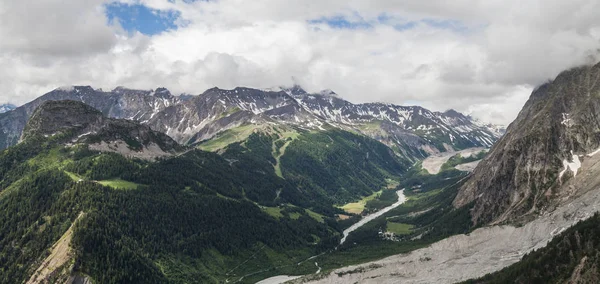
(526, 171)
(120, 103)
(72, 122)
(413, 132)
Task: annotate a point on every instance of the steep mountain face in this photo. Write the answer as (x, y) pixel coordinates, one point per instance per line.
(53, 117)
(216, 110)
(412, 131)
(541, 160)
(401, 126)
(119, 103)
(76, 122)
(7, 107)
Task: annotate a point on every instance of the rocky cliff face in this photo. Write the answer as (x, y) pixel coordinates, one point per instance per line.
(535, 164)
(74, 122)
(452, 128)
(414, 132)
(53, 117)
(119, 103)
(216, 110)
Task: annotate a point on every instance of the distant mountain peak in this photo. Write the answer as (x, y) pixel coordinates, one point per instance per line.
(413, 131)
(328, 92)
(454, 113)
(74, 88)
(7, 107)
(68, 88)
(123, 90)
(295, 90)
(161, 90)
(76, 122)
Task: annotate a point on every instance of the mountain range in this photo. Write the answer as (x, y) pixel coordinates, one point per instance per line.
(531, 203)
(133, 186)
(78, 178)
(413, 132)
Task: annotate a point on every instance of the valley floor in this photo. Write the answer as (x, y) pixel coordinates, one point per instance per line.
(433, 163)
(371, 217)
(464, 257)
(401, 199)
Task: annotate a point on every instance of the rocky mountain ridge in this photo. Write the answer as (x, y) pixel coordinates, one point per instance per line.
(412, 131)
(73, 122)
(537, 164)
(120, 103)
(403, 125)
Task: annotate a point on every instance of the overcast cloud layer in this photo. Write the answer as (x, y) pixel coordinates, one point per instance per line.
(479, 57)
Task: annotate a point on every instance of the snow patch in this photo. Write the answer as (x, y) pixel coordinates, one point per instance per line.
(566, 120)
(84, 134)
(573, 166)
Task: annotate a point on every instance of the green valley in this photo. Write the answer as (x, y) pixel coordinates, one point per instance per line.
(259, 206)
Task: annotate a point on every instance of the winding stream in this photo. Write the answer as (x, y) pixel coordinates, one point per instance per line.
(371, 217)
(401, 199)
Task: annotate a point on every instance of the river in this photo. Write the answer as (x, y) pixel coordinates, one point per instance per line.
(401, 199)
(371, 217)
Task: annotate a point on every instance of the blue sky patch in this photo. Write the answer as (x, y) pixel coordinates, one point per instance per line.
(341, 22)
(141, 18)
(452, 25)
(400, 24)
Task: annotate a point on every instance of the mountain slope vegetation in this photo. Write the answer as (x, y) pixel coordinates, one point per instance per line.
(191, 217)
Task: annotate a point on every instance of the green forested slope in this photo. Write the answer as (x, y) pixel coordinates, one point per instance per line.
(199, 217)
(343, 165)
(182, 209)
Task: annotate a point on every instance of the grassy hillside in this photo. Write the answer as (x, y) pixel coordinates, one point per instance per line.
(191, 217)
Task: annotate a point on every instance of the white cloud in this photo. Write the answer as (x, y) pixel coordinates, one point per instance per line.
(479, 57)
(54, 28)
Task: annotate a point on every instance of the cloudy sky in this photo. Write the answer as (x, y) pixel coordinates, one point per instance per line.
(479, 57)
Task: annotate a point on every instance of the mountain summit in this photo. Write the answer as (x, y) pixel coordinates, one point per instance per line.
(541, 160)
(413, 132)
(76, 122)
(120, 103)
